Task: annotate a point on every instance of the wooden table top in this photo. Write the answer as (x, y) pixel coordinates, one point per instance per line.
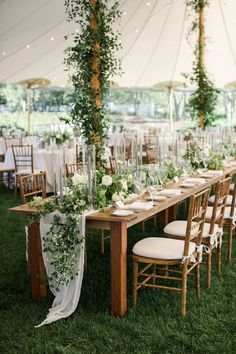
(107, 216)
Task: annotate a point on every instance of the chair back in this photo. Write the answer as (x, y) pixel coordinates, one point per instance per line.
(12, 141)
(23, 157)
(232, 207)
(221, 193)
(32, 185)
(196, 218)
(152, 155)
(72, 168)
(113, 165)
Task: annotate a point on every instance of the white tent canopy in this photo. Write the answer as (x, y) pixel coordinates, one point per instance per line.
(153, 35)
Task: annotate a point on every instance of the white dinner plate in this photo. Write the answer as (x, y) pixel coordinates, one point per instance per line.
(187, 185)
(122, 212)
(207, 175)
(158, 198)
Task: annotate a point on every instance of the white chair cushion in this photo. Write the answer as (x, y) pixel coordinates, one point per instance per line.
(27, 172)
(178, 228)
(228, 200)
(162, 248)
(4, 167)
(227, 213)
(231, 187)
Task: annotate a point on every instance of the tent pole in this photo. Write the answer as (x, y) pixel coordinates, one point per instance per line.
(95, 79)
(201, 45)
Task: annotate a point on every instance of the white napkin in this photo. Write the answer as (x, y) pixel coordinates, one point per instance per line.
(169, 192)
(196, 181)
(215, 172)
(231, 163)
(136, 206)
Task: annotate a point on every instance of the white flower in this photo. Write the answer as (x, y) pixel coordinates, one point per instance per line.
(106, 180)
(124, 184)
(81, 202)
(79, 179)
(115, 197)
(35, 198)
(119, 162)
(130, 177)
(58, 136)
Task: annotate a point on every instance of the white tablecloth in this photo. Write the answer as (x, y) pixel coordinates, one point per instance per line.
(2, 146)
(48, 161)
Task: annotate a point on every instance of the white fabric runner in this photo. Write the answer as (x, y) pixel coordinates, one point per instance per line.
(67, 298)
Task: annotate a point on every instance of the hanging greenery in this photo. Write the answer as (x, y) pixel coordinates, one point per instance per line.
(203, 101)
(92, 61)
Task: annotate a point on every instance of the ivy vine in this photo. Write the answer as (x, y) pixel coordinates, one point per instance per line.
(92, 61)
(203, 101)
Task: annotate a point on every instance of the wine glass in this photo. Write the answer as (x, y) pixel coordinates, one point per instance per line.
(162, 175)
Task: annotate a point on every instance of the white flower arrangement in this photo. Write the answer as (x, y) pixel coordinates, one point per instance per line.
(78, 179)
(106, 180)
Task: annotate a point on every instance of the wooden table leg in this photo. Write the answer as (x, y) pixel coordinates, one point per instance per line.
(37, 270)
(118, 268)
(173, 210)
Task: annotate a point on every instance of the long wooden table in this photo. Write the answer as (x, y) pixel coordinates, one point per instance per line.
(118, 228)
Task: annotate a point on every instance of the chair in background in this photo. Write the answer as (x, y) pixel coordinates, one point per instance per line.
(32, 185)
(160, 254)
(212, 230)
(113, 165)
(23, 159)
(12, 141)
(72, 168)
(152, 155)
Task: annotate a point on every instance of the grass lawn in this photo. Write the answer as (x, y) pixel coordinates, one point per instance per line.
(154, 326)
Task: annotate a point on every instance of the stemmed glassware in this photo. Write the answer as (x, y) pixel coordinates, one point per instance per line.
(162, 175)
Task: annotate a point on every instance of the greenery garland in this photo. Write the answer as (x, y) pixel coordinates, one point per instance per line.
(63, 241)
(92, 60)
(203, 100)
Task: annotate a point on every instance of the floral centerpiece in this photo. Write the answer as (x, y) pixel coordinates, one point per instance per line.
(60, 138)
(203, 157)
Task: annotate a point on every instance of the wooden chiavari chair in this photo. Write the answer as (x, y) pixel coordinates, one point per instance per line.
(72, 168)
(212, 231)
(23, 159)
(32, 185)
(156, 254)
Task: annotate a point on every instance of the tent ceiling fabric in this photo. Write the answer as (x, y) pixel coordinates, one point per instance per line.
(153, 35)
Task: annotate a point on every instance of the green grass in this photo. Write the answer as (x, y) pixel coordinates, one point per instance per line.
(154, 326)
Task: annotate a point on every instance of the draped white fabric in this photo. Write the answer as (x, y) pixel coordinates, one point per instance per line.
(67, 298)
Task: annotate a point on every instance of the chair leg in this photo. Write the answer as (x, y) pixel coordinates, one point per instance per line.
(218, 262)
(230, 240)
(209, 270)
(135, 278)
(197, 279)
(166, 270)
(154, 272)
(184, 289)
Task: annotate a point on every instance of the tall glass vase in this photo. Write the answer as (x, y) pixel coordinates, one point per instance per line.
(89, 162)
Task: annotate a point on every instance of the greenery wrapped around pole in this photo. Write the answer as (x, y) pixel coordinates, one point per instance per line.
(203, 101)
(92, 62)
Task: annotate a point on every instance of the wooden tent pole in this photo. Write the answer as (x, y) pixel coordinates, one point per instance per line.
(201, 42)
(95, 79)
